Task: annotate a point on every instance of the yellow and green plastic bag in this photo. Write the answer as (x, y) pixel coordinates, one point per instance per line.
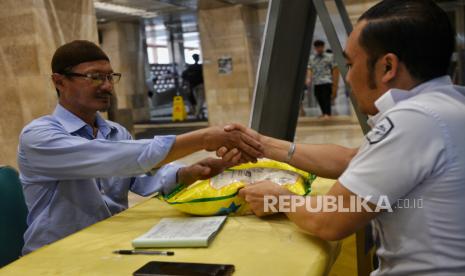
(218, 195)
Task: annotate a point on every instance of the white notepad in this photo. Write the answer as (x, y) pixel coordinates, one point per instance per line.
(181, 232)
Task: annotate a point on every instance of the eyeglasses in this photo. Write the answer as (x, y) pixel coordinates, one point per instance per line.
(97, 78)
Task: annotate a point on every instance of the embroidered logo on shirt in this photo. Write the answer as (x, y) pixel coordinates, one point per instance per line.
(380, 131)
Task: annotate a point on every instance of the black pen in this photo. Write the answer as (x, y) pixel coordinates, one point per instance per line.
(144, 252)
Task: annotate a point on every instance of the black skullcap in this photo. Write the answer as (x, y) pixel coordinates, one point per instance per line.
(74, 53)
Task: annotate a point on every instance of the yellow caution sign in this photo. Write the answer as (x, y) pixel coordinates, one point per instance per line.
(179, 110)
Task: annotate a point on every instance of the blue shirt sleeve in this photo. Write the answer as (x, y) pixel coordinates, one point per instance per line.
(50, 153)
(164, 181)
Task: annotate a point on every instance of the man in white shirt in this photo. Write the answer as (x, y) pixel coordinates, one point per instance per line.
(411, 165)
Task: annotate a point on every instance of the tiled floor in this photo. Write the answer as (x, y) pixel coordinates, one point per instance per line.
(309, 130)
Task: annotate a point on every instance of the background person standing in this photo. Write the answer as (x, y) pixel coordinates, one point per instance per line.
(194, 76)
(323, 73)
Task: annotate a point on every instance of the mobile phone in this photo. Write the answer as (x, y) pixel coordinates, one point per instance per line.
(179, 268)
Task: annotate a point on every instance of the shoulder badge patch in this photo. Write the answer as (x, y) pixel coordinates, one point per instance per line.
(380, 131)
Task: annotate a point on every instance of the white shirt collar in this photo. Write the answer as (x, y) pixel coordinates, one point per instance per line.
(393, 96)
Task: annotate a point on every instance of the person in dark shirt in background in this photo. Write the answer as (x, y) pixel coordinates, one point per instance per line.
(194, 76)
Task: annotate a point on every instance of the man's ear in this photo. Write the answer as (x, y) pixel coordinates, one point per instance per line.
(57, 80)
(390, 66)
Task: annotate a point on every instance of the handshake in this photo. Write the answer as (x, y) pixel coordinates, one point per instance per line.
(234, 143)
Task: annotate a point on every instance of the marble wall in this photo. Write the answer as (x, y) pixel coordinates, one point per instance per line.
(122, 43)
(30, 31)
(233, 33)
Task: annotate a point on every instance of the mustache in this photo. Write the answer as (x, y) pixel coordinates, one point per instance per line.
(104, 94)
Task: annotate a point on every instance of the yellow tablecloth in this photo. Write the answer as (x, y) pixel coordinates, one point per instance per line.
(270, 246)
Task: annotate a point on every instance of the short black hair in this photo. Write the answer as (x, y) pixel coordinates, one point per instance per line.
(73, 53)
(318, 43)
(418, 32)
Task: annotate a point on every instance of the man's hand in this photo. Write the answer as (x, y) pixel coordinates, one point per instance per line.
(308, 80)
(308, 83)
(207, 168)
(250, 133)
(249, 146)
(334, 94)
(254, 195)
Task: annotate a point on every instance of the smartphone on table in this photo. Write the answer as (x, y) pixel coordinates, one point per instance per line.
(179, 268)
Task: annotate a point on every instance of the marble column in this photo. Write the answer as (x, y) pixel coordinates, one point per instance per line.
(30, 31)
(230, 35)
(122, 43)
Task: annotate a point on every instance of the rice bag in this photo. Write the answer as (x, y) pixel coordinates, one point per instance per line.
(218, 195)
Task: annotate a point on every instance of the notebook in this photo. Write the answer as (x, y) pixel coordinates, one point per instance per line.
(181, 232)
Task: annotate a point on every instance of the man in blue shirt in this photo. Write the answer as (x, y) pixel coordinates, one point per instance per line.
(77, 168)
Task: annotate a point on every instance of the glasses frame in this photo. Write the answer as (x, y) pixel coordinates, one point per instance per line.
(96, 78)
